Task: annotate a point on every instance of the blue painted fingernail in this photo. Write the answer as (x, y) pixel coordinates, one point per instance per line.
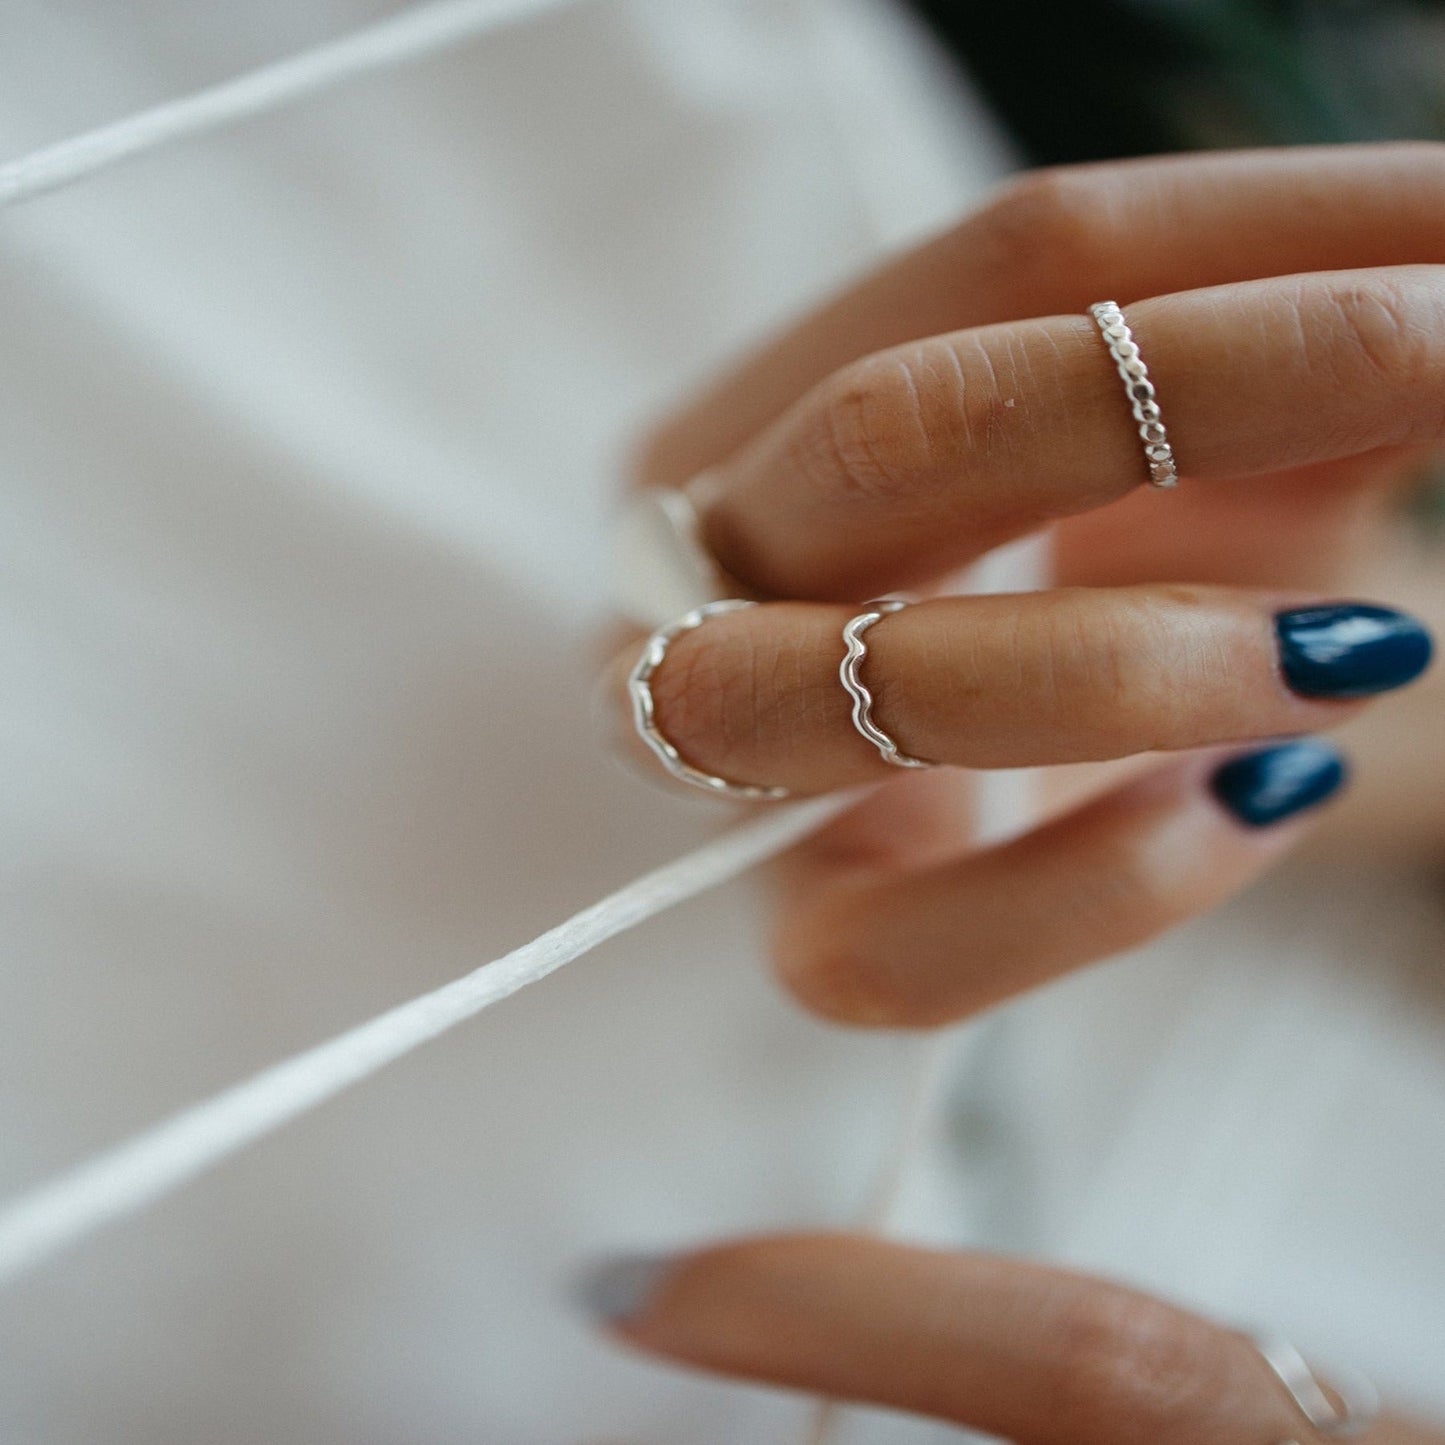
(1275, 783)
(613, 1290)
(1351, 649)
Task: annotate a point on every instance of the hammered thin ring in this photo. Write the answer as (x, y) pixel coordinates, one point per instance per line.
(1158, 454)
(851, 676)
(644, 716)
(1359, 1400)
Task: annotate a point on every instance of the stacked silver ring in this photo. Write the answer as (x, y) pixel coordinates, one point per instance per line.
(850, 673)
(1158, 454)
(644, 714)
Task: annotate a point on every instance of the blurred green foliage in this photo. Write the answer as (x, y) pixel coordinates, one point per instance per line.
(1290, 72)
(1079, 80)
(1274, 72)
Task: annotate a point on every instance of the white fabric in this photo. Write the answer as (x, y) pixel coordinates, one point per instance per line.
(1263, 1131)
(138, 1172)
(417, 33)
(309, 429)
(306, 433)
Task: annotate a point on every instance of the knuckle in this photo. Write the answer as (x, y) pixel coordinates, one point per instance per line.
(1128, 675)
(991, 373)
(1056, 220)
(839, 986)
(880, 433)
(893, 430)
(1132, 1369)
(1136, 891)
(1391, 330)
(824, 964)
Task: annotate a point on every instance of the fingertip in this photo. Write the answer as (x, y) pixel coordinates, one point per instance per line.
(1351, 649)
(1267, 786)
(613, 1291)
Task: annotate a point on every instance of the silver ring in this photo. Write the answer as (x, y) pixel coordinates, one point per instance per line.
(850, 674)
(1163, 470)
(1359, 1400)
(644, 717)
(661, 565)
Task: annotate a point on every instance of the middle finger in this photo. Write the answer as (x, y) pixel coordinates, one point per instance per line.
(1072, 675)
(905, 465)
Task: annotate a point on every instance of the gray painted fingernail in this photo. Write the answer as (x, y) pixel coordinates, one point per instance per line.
(613, 1290)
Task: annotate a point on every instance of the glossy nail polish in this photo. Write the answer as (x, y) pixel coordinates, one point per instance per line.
(613, 1290)
(1275, 783)
(1350, 649)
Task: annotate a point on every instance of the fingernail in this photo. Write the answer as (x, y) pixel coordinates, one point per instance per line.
(1351, 649)
(613, 1290)
(1273, 784)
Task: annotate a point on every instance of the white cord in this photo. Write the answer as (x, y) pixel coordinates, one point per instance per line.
(148, 1166)
(137, 1173)
(922, 1102)
(414, 34)
(1005, 806)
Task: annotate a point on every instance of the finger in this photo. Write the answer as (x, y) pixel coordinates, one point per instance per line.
(1054, 241)
(1006, 681)
(1308, 528)
(864, 942)
(899, 468)
(1038, 1356)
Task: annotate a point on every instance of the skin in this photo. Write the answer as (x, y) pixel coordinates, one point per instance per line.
(1035, 1355)
(1292, 313)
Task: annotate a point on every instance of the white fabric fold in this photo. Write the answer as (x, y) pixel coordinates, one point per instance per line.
(412, 35)
(146, 1168)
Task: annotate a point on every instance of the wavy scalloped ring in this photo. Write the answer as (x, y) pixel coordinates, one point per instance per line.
(644, 714)
(851, 675)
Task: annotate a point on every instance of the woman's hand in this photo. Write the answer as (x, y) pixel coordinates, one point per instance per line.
(1292, 315)
(1035, 1355)
(960, 395)
(1295, 328)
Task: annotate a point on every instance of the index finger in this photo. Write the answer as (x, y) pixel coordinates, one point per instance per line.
(1057, 240)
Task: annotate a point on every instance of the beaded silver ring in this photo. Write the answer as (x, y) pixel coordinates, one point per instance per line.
(644, 715)
(851, 675)
(1163, 469)
(661, 564)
